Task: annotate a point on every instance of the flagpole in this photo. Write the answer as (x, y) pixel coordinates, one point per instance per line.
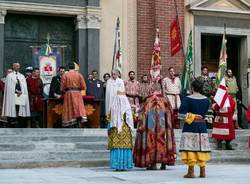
(116, 29)
(182, 41)
(177, 14)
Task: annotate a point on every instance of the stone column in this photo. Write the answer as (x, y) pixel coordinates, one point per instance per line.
(88, 40)
(2, 17)
(81, 44)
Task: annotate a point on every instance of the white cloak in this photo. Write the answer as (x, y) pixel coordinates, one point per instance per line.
(9, 106)
(111, 91)
(118, 105)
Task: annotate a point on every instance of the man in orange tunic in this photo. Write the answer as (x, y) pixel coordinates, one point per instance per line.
(73, 107)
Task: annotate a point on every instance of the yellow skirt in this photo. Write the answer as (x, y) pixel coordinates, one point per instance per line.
(195, 158)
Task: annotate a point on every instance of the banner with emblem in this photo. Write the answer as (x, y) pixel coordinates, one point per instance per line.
(175, 37)
(47, 59)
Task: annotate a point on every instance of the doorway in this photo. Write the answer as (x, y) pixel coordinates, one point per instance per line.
(23, 31)
(236, 60)
(210, 53)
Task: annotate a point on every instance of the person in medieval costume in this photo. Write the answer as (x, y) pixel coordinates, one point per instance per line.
(28, 71)
(2, 84)
(172, 89)
(194, 144)
(72, 83)
(223, 126)
(132, 92)
(95, 87)
(206, 82)
(55, 90)
(2, 119)
(16, 102)
(155, 141)
(144, 89)
(232, 91)
(120, 116)
(207, 90)
(155, 137)
(35, 89)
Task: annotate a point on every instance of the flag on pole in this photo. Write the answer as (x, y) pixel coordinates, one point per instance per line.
(117, 55)
(221, 95)
(155, 70)
(223, 59)
(175, 37)
(187, 71)
(48, 50)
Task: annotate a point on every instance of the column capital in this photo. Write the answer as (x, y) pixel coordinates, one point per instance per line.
(81, 22)
(91, 19)
(2, 16)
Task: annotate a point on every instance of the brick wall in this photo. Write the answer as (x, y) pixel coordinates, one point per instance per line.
(150, 15)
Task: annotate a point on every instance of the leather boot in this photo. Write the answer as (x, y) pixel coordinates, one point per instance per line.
(202, 172)
(163, 167)
(152, 167)
(229, 146)
(219, 145)
(190, 173)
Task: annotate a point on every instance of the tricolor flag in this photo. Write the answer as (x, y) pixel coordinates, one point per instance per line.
(223, 59)
(155, 70)
(117, 56)
(48, 50)
(187, 71)
(221, 96)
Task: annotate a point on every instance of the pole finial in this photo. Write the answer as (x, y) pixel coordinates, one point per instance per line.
(48, 38)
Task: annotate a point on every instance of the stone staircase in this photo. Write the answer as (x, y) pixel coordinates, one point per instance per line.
(27, 148)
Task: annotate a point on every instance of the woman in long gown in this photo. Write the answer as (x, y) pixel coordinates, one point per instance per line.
(120, 116)
(155, 137)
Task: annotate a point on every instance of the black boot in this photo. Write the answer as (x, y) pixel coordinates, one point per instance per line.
(163, 167)
(229, 146)
(219, 145)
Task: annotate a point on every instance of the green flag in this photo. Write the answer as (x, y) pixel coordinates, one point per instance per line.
(187, 71)
(223, 60)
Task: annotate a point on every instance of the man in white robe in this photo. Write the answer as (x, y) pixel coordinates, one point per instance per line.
(172, 88)
(16, 100)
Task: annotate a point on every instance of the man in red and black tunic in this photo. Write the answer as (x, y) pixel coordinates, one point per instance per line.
(35, 89)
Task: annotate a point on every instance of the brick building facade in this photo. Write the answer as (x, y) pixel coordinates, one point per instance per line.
(150, 15)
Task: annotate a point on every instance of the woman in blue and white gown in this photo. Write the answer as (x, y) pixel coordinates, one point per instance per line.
(121, 123)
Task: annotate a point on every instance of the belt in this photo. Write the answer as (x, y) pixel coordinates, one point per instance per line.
(120, 93)
(199, 119)
(72, 89)
(224, 115)
(132, 96)
(232, 94)
(172, 94)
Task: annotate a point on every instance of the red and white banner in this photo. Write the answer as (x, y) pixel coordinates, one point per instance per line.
(221, 96)
(175, 37)
(47, 66)
(155, 69)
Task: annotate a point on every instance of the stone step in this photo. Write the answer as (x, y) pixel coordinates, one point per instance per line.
(57, 139)
(78, 138)
(78, 146)
(53, 131)
(31, 163)
(58, 159)
(82, 132)
(53, 146)
(22, 148)
(54, 155)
